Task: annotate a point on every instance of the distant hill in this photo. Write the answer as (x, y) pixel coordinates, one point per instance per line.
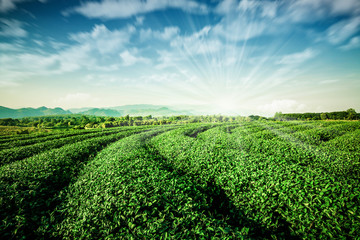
(102, 112)
(132, 110)
(135, 110)
(30, 112)
(79, 110)
(118, 108)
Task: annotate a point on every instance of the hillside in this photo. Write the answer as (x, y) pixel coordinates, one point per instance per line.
(133, 110)
(30, 112)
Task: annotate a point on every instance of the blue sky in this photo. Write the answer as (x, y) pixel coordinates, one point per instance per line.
(222, 56)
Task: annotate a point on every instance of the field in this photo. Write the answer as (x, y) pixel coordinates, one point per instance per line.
(256, 179)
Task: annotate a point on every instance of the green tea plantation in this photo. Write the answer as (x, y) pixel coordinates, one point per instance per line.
(244, 180)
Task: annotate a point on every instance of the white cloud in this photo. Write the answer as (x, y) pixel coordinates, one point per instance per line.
(130, 59)
(226, 6)
(167, 34)
(305, 10)
(263, 8)
(198, 43)
(57, 45)
(7, 47)
(11, 28)
(109, 9)
(297, 58)
(145, 34)
(283, 105)
(140, 20)
(353, 44)
(269, 9)
(39, 42)
(345, 6)
(92, 51)
(248, 5)
(343, 30)
(246, 19)
(223, 62)
(166, 59)
(240, 29)
(313, 10)
(25, 63)
(74, 58)
(8, 5)
(102, 39)
(245, 22)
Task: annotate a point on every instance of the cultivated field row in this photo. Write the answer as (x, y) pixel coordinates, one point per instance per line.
(259, 179)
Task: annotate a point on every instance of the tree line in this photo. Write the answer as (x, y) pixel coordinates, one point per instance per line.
(86, 122)
(349, 114)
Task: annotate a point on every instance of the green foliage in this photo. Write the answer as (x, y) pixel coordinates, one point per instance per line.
(236, 180)
(323, 116)
(77, 121)
(30, 188)
(350, 114)
(18, 150)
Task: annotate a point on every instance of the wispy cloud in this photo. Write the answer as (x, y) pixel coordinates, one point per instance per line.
(131, 59)
(240, 28)
(243, 20)
(12, 28)
(168, 33)
(90, 50)
(139, 20)
(263, 8)
(343, 30)
(166, 59)
(345, 7)
(314, 10)
(297, 58)
(8, 5)
(7, 47)
(109, 9)
(102, 39)
(197, 43)
(353, 44)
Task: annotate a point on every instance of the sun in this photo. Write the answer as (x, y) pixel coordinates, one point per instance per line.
(226, 105)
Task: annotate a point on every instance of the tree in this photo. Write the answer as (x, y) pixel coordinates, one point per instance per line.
(278, 115)
(323, 116)
(351, 114)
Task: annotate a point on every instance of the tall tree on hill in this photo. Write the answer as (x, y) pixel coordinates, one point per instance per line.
(351, 114)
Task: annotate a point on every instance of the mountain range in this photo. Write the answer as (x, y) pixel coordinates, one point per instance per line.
(132, 110)
(30, 112)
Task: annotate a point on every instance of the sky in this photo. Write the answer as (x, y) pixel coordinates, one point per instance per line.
(234, 57)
